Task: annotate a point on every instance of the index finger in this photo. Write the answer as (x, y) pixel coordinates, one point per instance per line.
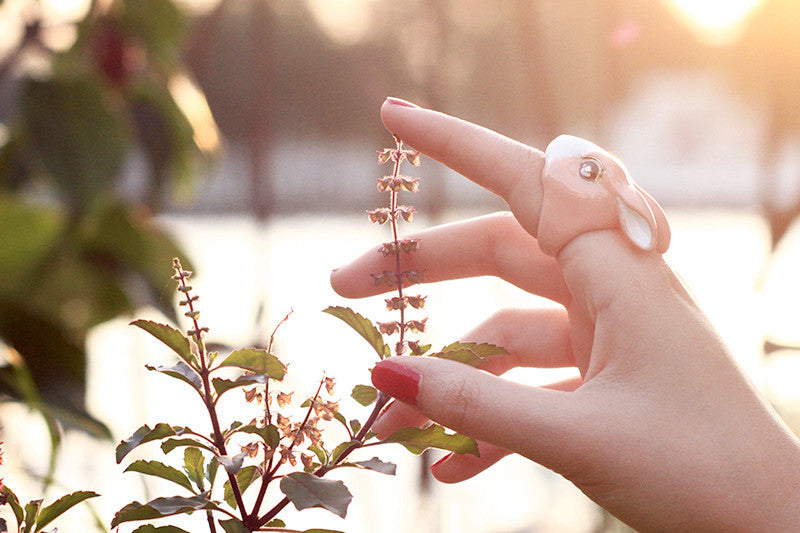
(506, 167)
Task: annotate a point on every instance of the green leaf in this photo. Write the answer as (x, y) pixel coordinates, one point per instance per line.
(222, 386)
(340, 449)
(355, 426)
(126, 238)
(233, 526)
(161, 507)
(154, 468)
(145, 434)
(275, 522)
(434, 436)
(320, 452)
(468, 357)
(31, 514)
(307, 490)
(245, 477)
(60, 506)
(363, 326)
(149, 528)
(364, 394)
(211, 470)
(193, 462)
(470, 353)
(269, 434)
(84, 149)
(28, 233)
(170, 336)
(254, 360)
(377, 465)
(170, 444)
(180, 371)
(13, 502)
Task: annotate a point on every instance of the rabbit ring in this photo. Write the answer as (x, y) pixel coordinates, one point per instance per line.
(587, 189)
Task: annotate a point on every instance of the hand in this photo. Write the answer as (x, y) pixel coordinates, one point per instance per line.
(662, 428)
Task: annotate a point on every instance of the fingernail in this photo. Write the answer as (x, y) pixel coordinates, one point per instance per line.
(440, 461)
(401, 102)
(396, 380)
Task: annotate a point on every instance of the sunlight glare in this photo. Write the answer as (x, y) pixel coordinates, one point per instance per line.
(717, 21)
(346, 21)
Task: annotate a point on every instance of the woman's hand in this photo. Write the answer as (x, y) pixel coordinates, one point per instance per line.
(662, 428)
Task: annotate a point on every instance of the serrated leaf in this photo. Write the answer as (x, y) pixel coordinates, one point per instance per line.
(364, 394)
(60, 506)
(145, 434)
(161, 507)
(276, 522)
(180, 371)
(363, 326)
(193, 462)
(355, 426)
(170, 444)
(154, 468)
(468, 357)
(149, 528)
(377, 465)
(434, 436)
(222, 386)
(307, 490)
(255, 360)
(169, 336)
(483, 349)
(233, 526)
(245, 477)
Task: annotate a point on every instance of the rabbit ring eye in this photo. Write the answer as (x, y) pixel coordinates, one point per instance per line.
(590, 169)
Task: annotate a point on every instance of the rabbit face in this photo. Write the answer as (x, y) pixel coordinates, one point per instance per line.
(585, 189)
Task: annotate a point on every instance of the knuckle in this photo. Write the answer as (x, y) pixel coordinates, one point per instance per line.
(462, 396)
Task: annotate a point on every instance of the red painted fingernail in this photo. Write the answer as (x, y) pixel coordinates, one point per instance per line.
(440, 461)
(397, 381)
(401, 102)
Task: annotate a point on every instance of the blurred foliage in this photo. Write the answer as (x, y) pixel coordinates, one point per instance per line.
(73, 253)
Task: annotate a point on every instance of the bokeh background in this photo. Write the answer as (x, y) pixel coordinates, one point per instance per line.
(241, 135)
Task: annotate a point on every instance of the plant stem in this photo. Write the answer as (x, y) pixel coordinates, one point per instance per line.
(321, 471)
(208, 397)
(393, 215)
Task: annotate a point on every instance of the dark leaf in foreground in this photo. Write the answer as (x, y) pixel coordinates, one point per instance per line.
(161, 507)
(145, 434)
(307, 490)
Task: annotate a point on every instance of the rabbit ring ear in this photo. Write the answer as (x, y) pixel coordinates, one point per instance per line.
(587, 189)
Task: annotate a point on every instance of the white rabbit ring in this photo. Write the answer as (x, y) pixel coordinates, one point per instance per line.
(587, 189)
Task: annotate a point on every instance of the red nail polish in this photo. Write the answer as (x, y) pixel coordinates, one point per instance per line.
(400, 102)
(440, 461)
(397, 381)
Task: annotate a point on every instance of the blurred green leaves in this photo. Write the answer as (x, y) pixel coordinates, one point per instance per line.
(80, 141)
(73, 253)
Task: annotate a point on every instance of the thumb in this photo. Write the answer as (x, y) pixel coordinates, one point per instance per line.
(538, 423)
